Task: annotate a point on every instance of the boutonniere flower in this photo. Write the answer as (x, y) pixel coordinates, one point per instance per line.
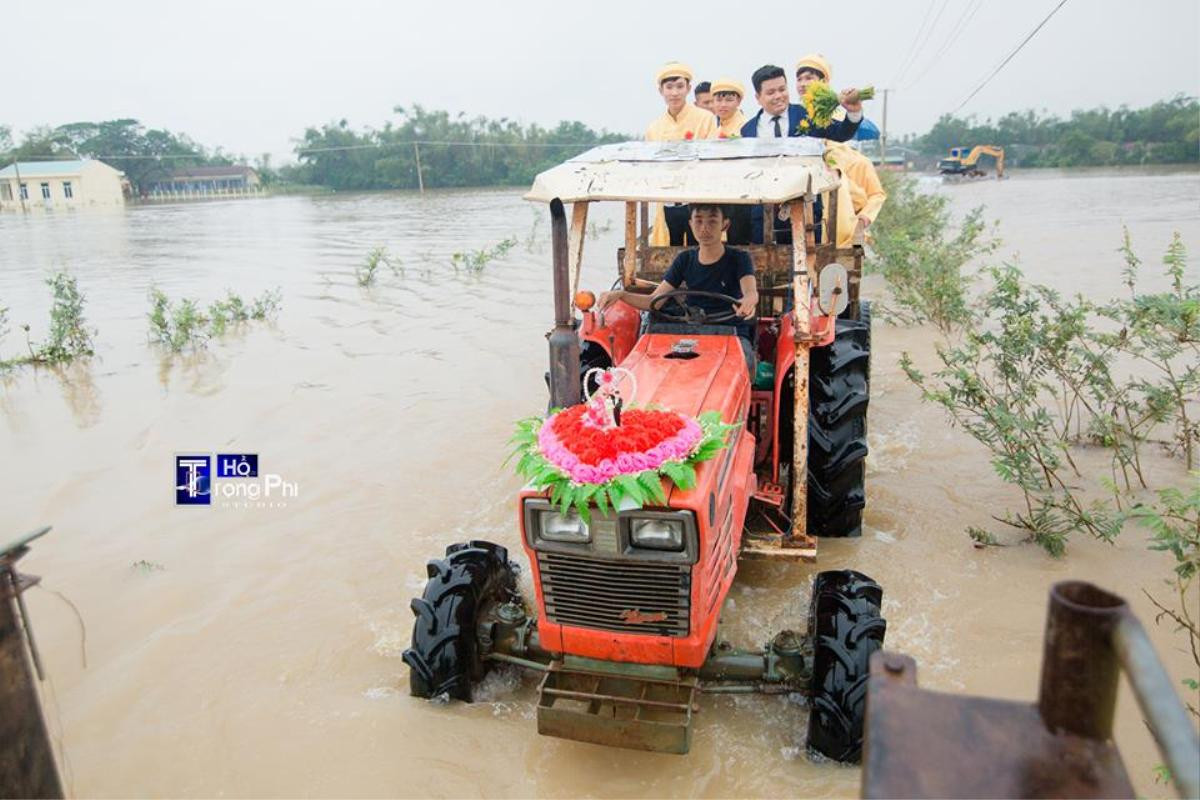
(689, 136)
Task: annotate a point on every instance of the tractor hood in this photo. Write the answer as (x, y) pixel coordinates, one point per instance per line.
(691, 374)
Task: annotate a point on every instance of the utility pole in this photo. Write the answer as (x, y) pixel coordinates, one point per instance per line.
(420, 178)
(20, 195)
(883, 133)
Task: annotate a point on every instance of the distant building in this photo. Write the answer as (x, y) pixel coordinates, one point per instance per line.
(207, 182)
(59, 184)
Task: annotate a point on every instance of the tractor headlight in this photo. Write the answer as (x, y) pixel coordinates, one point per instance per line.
(554, 526)
(656, 533)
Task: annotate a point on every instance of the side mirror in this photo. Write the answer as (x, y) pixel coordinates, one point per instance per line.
(833, 289)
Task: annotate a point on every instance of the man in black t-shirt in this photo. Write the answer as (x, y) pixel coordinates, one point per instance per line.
(711, 267)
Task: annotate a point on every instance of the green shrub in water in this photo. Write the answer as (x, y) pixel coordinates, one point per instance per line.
(365, 273)
(476, 260)
(185, 324)
(69, 335)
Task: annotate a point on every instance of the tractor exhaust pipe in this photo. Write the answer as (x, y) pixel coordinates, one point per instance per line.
(564, 343)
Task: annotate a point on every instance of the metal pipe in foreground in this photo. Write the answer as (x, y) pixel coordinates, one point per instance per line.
(564, 343)
(1091, 635)
(1168, 720)
(1078, 691)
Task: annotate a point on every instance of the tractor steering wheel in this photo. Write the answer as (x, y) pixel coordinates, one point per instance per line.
(692, 315)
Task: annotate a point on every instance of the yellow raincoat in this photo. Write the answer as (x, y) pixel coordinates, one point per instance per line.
(860, 193)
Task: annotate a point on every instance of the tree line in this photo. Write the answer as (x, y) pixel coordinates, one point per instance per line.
(488, 152)
(504, 152)
(1166, 132)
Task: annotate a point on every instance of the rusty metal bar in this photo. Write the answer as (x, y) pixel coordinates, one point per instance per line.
(528, 663)
(801, 288)
(1079, 666)
(630, 266)
(1168, 721)
(831, 227)
(564, 344)
(615, 699)
(27, 767)
(579, 213)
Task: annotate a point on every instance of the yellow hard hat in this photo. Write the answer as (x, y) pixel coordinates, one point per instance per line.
(673, 69)
(816, 61)
(728, 85)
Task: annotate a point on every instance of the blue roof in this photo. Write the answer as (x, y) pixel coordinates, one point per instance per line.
(44, 168)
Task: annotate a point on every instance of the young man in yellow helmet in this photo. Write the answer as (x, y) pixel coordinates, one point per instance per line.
(680, 121)
(814, 67)
(727, 97)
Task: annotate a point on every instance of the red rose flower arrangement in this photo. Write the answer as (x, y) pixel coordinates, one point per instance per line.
(597, 452)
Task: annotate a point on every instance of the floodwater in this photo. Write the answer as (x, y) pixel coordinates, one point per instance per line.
(254, 650)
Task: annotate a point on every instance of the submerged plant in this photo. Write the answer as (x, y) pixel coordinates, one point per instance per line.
(923, 264)
(365, 273)
(69, 335)
(184, 324)
(1033, 375)
(476, 260)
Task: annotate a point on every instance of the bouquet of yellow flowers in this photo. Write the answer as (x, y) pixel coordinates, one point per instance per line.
(820, 101)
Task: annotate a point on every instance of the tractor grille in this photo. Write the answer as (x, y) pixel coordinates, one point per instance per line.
(625, 596)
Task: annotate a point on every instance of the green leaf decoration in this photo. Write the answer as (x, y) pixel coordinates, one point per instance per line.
(629, 484)
(601, 499)
(651, 484)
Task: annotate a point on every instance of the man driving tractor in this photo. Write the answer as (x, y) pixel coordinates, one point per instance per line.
(711, 268)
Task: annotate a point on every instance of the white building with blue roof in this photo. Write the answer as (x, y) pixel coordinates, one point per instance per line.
(51, 185)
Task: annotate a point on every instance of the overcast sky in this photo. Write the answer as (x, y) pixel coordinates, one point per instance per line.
(251, 75)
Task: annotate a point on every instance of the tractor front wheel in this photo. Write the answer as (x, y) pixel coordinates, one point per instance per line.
(444, 657)
(846, 627)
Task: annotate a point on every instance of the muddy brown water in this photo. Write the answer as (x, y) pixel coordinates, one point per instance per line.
(251, 650)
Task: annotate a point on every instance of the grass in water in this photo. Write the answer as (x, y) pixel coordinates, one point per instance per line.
(69, 338)
(366, 273)
(477, 260)
(183, 324)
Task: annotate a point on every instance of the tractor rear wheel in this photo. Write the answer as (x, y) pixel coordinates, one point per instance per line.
(839, 388)
(846, 628)
(444, 657)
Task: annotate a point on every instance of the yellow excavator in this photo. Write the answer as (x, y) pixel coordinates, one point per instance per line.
(965, 162)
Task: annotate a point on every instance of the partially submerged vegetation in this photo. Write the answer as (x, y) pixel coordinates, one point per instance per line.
(1039, 379)
(69, 337)
(923, 265)
(365, 274)
(184, 324)
(476, 260)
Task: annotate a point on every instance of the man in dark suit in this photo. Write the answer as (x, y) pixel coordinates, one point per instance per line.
(779, 118)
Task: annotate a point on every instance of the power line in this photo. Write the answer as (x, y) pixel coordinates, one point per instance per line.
(924, 41)
(913, 46)
(964, 20)
(1024, 42)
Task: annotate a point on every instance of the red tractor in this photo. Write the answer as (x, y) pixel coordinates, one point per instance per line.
(627, 599)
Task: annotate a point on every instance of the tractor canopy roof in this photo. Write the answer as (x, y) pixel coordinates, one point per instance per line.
(742, 171)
